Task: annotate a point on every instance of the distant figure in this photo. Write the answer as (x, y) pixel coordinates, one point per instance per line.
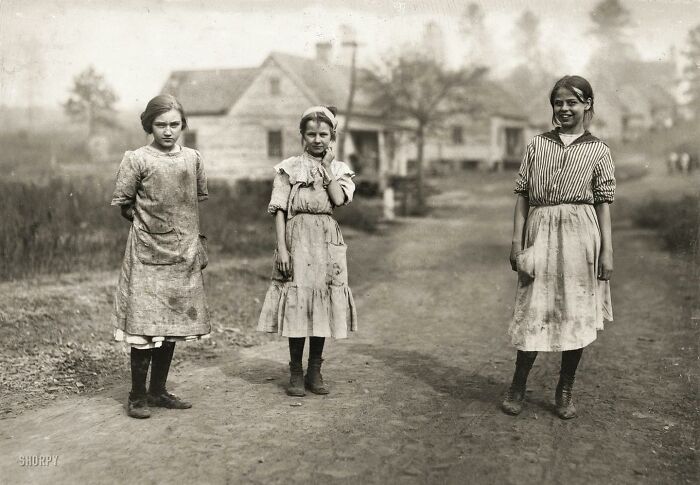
(684, 162)
(561, 246)
(309, 295)
(672, 162)
(160, 295)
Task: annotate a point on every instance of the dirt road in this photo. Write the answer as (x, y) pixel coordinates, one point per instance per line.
(415, 394)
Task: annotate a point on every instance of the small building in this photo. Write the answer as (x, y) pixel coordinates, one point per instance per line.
(246, 120)
(638, 103)
(491, 136)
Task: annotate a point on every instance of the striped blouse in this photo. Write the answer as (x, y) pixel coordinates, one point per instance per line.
(581, 173)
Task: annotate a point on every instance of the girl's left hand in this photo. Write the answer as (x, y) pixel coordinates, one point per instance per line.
(605, 265)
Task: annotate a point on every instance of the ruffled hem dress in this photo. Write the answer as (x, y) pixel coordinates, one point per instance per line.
(160, 293)
(316, 300)
(560, 304)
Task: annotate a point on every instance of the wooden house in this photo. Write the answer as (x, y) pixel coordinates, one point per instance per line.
(492, 135)
(246, 120)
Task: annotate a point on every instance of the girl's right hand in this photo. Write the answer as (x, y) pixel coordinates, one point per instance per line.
(514, 248)
(284, 264)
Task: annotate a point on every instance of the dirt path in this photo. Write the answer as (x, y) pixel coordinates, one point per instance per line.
(415, 394)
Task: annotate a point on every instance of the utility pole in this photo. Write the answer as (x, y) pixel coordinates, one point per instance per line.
(351, 44)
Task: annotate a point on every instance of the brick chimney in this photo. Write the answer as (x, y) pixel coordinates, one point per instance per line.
(324, 51)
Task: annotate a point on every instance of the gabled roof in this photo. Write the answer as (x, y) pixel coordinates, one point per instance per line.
(493, 99)
(209, 92)
(216, 91)
(325, 83)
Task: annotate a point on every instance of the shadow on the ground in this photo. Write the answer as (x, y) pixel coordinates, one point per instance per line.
(454, 382)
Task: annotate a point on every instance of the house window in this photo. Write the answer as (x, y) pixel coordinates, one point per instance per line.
(191, 139)
(274, 86)
(274, 143)
(457, 135)
(515, 142)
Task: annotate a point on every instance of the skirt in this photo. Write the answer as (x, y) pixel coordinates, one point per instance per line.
(316, 300)
(560, 304)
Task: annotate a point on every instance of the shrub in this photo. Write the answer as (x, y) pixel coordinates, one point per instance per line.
(676, 221)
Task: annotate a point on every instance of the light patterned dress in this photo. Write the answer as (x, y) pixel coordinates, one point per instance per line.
(160, 294)
(316, 300)
(560, 304)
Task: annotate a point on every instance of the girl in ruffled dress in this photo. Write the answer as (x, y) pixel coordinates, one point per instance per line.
(309, 295)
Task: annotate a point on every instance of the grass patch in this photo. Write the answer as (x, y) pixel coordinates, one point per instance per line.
(676, 221)
(68, 225)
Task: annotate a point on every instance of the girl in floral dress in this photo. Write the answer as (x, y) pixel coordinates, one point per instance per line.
(309, 295)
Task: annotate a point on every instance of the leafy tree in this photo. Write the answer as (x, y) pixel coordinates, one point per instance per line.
(91, 100)
(611, 21)
(692, 71)
(480, 49)
(415, 88)
(528, 36)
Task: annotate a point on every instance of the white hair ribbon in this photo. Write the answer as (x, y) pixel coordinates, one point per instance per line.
(325, 111)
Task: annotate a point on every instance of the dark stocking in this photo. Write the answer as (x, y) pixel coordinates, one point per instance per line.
(523, 364)
(162, 357)
(569, 362)
(140, 360)
(316, 347)
(296, 349)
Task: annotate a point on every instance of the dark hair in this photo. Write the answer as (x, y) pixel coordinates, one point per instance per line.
(580, 88)
(159, 105)
(319, 117)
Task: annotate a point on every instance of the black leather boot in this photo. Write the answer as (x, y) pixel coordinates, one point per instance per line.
(296, 380)
(137, 406)
(314, 380)
(513, 402)
(158, 396)
(564, 397)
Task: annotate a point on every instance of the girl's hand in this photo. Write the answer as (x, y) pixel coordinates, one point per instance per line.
(284, 264)
(514, 248)
(605, 265)
(128, 212)
(328, 158)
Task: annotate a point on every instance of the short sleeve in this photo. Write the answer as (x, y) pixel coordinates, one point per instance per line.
(522, 183)
(604, 179)
(202, 191)
(281, 188)
(344, 174)
(128, 179)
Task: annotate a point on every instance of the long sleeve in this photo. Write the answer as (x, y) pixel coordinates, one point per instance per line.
(128, 179)
(604, 180)
(202, 190)
(522, 183)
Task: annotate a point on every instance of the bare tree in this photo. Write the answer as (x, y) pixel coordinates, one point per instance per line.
(415, 88)
(91, 100)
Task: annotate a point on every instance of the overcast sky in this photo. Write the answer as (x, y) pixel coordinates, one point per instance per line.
(135, 44)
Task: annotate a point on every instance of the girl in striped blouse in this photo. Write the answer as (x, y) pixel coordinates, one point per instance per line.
(561, 247)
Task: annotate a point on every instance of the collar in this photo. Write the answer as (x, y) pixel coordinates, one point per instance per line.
(585, 138)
